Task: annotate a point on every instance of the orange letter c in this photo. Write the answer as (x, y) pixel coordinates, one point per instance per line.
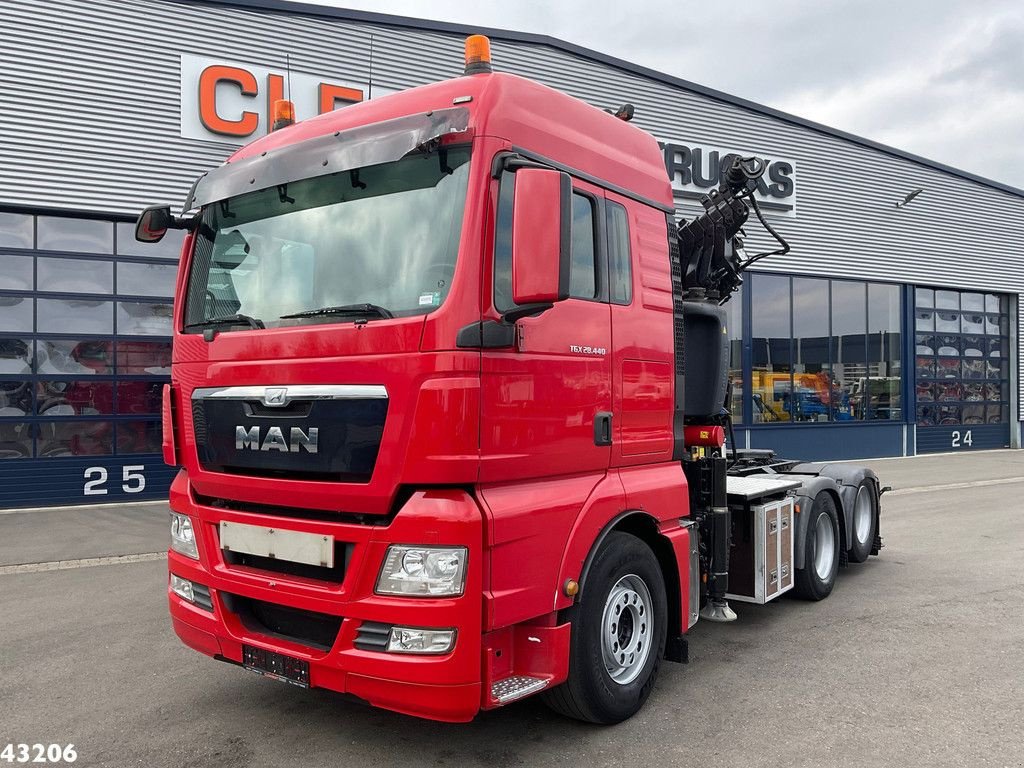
(208, 80)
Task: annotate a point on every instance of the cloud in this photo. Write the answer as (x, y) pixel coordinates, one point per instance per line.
(940, 78)
(959, 101)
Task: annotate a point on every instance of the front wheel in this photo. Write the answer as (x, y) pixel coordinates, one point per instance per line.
(618, 635)
(821, 551)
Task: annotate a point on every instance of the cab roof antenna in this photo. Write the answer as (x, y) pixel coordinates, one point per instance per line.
(283, 110)
(288, 75)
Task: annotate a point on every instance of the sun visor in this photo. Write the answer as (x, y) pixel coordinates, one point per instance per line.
(382, 142)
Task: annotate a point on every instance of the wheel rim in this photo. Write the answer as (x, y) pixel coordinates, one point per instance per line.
(824, 546)
(862, 513)
(627, 626)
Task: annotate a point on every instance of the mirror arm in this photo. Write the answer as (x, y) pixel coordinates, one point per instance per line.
(526, 310)
(188, 223)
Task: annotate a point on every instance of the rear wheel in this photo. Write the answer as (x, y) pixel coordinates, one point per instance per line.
(618, 635)
(821, 551)
(865, 522)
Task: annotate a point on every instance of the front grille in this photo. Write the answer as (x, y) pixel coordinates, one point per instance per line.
(372, 636)
(318, 630)
(199, 422)
(335, 574)
(323, 440)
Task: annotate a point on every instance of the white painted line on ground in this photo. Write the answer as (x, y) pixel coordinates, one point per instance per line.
(87, 562)
(926, 455)
(83, 507)
(954, 486)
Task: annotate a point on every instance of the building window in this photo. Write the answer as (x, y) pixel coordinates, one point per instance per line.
(813, 395)
(849, 349)
(17, 230)
(16, 273)
(771, 333)
(55, 233)
(75, 275)
(883, 396)
(134, 279)
(823, 350)
(15, 314)
(77, 315)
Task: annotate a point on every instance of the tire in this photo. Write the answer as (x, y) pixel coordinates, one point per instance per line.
(815, 580)
(864, 525)
(625, 580)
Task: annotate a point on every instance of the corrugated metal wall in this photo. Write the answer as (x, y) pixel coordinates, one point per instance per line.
(90, 121)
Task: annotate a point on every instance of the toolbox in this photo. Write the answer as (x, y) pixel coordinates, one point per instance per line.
(761, 552)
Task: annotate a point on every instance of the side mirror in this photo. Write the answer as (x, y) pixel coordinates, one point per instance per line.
(541, 236)
(153, 224)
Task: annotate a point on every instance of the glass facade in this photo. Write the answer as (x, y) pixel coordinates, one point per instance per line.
(818, 350)
(85, 343)
(822, 350)
(85, 326)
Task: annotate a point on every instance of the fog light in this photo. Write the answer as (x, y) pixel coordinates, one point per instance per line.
(182, 588)
(183, 537)
(416, 640)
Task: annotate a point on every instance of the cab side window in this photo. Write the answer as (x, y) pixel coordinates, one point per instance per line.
(620, 271)
(583, 273)
(503, 244)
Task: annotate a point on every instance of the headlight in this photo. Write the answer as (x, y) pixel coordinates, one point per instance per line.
(183, 538)
(423, 571)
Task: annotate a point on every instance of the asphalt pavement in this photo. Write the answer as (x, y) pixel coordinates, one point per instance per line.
(917, 658)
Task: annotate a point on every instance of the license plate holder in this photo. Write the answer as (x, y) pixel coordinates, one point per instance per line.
(276, 666)
(278, 543)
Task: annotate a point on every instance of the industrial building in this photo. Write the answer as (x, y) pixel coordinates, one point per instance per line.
(890, 329)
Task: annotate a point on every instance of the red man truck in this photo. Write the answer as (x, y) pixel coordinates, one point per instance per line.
(446, 395)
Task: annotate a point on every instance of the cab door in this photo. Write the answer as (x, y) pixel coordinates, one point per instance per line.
(640, 296)
(547, 401)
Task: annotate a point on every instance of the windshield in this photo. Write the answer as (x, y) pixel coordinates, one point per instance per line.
(371, 243)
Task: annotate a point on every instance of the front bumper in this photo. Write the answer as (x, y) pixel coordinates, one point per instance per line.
(445, 687)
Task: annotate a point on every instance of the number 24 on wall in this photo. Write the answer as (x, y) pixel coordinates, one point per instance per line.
(131, 474)
(959, 442)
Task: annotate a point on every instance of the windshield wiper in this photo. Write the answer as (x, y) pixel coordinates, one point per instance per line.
(252, 322)
(373, 310)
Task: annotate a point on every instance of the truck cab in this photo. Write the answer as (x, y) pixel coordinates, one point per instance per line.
(426, 401)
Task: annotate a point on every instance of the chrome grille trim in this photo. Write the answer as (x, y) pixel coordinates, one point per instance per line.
(285, 393)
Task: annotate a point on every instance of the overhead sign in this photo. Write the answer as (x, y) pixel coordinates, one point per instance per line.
(696, 169)
(231, 102)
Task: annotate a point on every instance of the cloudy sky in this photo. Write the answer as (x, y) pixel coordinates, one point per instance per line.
(939, 78)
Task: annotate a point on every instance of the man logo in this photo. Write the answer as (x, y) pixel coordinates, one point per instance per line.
(275, 397)
(249, 439)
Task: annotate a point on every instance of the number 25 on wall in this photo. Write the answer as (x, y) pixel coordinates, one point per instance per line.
(131, 474)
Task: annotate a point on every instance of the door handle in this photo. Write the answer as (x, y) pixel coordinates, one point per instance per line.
(602, 428)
